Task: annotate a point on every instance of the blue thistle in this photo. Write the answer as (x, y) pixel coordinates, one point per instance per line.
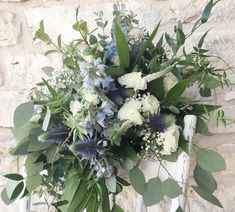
(56, 134)
(159, 122)
(87, 148)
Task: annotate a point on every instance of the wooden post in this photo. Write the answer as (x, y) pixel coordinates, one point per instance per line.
(179, 170)
(183, 162)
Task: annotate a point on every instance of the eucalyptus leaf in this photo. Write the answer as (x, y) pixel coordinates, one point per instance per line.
(5, 198)
(32, 182)
(23, 114)
(48, 70)
(153, 193)
(137, 180)
(110, 183)
(36, 145)
(171, 188)
(204, 179)
(52, 154)
(210, 160)
(207, 196)
(21, 147)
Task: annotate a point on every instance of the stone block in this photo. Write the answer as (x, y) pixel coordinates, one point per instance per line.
(12, 0)
(191, 10)
(9, 100)
(59, 19)
(25, 71)
(9, 29)
(1, 78)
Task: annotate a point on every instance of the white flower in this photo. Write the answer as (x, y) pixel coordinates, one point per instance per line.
(133, 80)
(130, 112)
(90, 97)
(75, 106)
(150, 104)
(171, 139)
(136, 34)
(169, 81)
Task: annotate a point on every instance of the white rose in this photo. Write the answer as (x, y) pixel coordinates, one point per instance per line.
(169, 81)
(171, 140)
(130, 112)
(133, 80)
(90, 97)
(150, 104)
(75, 107)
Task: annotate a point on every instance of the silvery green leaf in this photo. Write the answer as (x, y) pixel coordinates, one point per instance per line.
(111, 183)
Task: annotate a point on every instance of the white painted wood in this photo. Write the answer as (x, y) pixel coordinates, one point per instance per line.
(183, 163)
(179, 170)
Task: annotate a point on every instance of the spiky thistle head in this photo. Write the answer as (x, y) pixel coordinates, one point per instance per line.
(159, 122)
(56, 134)
(87, 148)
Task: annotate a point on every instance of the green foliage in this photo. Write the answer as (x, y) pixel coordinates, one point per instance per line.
(110, 183)
(79, 183)
(153, 193)
(171, 188)
(16, 177)
(32, 182)
(137, 180)
(122, 47)
(210, 160)
(174, 94)
(207, 196)
(204, 179)
(23, 114)
(146, 45)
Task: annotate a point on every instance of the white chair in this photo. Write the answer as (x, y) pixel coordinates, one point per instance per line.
(179, 170)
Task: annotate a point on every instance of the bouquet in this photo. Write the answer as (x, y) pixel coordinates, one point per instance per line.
(120, 98)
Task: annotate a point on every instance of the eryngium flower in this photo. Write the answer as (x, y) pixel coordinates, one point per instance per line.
(87, 148)
(56, 134)
(159, 122)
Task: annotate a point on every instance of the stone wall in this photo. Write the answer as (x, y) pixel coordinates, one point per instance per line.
(21, 60)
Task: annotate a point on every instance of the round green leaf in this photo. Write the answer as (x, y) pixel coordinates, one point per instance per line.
(23, 114)
(204, 179)
(171, 188)
(207, 196)
(210, 160)
(5, 198)
(33, 182)
(137, 180)
(153, 193)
